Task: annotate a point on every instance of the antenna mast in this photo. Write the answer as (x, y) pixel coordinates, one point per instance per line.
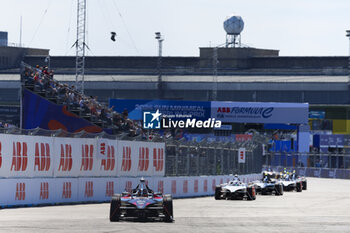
(80, 45)
(20, 32)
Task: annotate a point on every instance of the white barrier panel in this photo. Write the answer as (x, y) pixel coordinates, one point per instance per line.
(66, 158)
(107, 157)
(141, 159)
(26, 156)
(5, 194)
(14, 153)
(85, 157)
(66, 190)
(37, 156)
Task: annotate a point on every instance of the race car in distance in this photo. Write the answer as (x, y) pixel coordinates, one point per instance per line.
(235, 190)
(303, 180)
(291, 182)
(269, 185)
(142, 203)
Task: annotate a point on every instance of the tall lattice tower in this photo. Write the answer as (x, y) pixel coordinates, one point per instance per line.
(80, 45)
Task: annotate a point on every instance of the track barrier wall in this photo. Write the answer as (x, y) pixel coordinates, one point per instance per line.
(39, 170)
(50, 191)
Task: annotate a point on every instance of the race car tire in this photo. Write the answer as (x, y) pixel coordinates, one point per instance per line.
(114, 212)
(251, 194)
(168, 208)
(304, 182)
(299, 186)
(278, 189)
(218, 193)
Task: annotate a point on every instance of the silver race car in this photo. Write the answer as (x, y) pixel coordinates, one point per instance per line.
(235, 190)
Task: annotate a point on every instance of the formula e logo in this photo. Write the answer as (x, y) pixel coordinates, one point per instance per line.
(67, 190)
(44, 191)
(108, 164)
(151, 120)
(205, 186)
(161, 186)
(158, 159)
(66, 160)
(195, 188)
(20, 191)
(173, 186)
(185, 186)
(89, 189)
(143, 158)
(128, 186)
(87, 157)
(126, 163)
(109, 188)
(19, 156)
(42, 157)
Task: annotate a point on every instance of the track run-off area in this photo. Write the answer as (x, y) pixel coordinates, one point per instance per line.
(324, 207)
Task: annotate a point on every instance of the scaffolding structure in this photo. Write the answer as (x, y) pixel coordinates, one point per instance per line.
(80, 45)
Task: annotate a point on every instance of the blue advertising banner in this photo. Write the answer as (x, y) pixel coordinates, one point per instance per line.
(174, 109)
(226, 112)
(317, 114)
(39, 112)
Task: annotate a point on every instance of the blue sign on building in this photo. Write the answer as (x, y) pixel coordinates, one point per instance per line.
(174, 109)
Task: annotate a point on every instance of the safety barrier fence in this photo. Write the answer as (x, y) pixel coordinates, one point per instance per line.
(309, 160)
(191, 158)
(45, 191)
(311, 164)
(48, 170)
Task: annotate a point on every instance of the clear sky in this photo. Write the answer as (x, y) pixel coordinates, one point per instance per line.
(295, 27)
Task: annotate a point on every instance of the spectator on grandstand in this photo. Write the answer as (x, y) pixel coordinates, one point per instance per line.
(125, 113)
(42, 77)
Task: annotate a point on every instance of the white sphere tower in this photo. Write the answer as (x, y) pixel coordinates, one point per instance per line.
(233, 26)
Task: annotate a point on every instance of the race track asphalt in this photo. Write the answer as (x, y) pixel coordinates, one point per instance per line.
(324, 207)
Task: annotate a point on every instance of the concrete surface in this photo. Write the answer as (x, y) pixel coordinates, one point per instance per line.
(324, 207)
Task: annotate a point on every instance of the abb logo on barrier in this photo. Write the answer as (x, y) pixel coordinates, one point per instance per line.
(20, 191)
(109, 188)
(42, 157)
(66, 161)
(158, 159)
(213, 185)
(0, 156)
(126, 163)
(44, 191)
(19, 156)
(173, 186)
(227, 180)
(108, 164)
(185, 186)
(143, 158)
(221, 181)
(87, 157)
(161, 186)
(67, 190)
(128, 186)
(89, 189)
(195, 188)
(205, 186)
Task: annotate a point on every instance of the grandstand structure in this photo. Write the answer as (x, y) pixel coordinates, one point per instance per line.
(243, 74)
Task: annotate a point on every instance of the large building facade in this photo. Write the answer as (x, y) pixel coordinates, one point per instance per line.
(234, 74)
